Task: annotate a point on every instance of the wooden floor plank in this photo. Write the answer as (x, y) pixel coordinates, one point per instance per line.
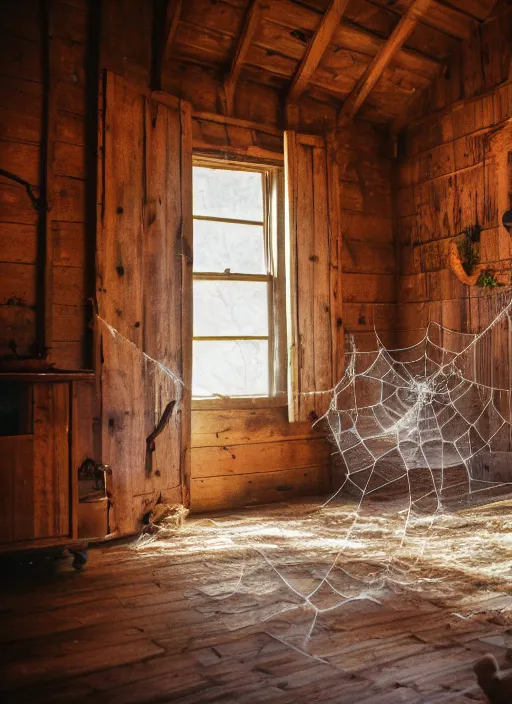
(49, 668)
(154, 626)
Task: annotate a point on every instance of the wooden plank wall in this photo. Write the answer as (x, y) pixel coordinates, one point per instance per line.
(369, 263)
(454, 173)
(22, 128)
(125, 48)
(248, 456)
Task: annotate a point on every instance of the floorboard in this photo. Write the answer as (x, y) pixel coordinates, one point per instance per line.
(172, 622)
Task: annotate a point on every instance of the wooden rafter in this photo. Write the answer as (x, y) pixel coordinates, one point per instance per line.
(382, 59)
(316, 48)
(244, 41)
(171, 24)
(167, 32)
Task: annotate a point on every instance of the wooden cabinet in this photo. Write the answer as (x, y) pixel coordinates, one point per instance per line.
(39, 459)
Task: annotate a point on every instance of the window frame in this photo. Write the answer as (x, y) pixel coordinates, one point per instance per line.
(273, 233)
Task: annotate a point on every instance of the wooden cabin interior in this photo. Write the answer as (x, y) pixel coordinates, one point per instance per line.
(208, 210)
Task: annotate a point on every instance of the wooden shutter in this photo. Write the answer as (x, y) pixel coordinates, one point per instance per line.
(314, 305)
(144, 277)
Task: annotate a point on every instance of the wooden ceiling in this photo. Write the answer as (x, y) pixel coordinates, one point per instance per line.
(369, 57)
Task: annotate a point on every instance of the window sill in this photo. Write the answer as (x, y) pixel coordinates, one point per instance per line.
(240, 402)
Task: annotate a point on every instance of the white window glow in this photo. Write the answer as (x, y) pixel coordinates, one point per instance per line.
(231, 285)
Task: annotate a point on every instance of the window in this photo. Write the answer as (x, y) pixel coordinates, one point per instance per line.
(237, 291)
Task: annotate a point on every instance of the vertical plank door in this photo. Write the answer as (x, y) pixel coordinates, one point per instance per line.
(313, 246)
(144, 273)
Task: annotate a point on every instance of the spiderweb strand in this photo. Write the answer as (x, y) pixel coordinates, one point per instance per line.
(150, 364)
(120, 338)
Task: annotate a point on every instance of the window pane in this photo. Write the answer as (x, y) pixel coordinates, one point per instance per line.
(219, 246)
(230, 308)
(228, 194)
(230, 368)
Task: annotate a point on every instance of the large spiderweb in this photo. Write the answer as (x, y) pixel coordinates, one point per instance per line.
(427, 429)
(428, 419)
(422, 436)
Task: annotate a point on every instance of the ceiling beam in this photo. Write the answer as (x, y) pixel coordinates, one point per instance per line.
(163, 35)
(382, 60)
(166, 15)
(245, 38)
(316, 49)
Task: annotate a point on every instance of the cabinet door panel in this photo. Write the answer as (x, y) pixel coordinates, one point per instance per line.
(34, 470)
(51, 460)
(17, 495)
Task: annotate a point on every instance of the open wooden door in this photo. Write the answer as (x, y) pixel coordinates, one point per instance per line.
(144, 296)
(314, 299)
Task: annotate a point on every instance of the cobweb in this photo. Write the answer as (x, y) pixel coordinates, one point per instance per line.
(428, 419)
(426, 423)
(422, 438)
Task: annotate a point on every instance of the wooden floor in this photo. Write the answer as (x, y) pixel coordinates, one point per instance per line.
(149, 626)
